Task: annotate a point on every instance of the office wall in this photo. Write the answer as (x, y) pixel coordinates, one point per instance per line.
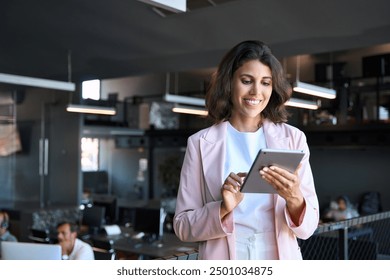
(42, 112)
(351, 171)
(122, 166)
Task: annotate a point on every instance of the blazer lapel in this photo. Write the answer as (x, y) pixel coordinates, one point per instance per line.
(212, 149)
(273, 136)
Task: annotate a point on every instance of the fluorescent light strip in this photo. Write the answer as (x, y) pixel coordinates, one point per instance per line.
(189, 110)
(175, 6)
(87, 109)
(184, 99)
(315, 90)
(300, 103)
(36, 82)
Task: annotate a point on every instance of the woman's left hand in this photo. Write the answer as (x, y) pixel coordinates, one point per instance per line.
(287, 186)
(284, 182)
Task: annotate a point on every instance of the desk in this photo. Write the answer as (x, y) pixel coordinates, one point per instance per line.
(129, 248)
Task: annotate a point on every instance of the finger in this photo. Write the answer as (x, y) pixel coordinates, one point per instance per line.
(242, 174)
(229, 188)
(237, 177)
(298, 168)
(276, 179)
(283, 173)
(232, 181)
(271, 179)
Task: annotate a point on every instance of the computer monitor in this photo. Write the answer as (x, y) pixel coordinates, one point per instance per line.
(94, 218)
(30, 251)
(150, 221)
(109, 202)
(96, 181)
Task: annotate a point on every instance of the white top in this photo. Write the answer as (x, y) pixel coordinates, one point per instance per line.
(81, 251)
(255, 214)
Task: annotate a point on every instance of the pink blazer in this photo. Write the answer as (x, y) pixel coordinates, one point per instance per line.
(199, 196)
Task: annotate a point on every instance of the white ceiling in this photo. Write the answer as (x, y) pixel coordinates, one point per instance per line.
(119, 38)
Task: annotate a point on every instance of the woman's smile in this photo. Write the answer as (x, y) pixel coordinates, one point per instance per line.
(252, 101)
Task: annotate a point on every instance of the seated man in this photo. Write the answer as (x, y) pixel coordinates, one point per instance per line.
(73, 248)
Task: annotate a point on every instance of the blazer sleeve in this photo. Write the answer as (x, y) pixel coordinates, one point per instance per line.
(310, 217)
(195, 219)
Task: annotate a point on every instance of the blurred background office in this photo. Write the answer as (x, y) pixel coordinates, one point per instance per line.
(97, 100)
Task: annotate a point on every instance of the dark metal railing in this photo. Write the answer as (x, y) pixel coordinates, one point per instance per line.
(363, 238)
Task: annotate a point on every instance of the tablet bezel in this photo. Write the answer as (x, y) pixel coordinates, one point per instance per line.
(287, 159)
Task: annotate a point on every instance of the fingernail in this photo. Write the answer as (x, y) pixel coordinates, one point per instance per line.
(272, 167)
(262, 172)
(265, 169)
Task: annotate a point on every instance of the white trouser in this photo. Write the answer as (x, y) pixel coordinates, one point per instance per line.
(259, 246)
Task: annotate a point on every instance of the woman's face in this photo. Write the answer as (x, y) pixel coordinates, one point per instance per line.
(342, 204)
(251, 90)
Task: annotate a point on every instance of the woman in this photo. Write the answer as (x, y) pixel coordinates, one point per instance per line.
(343, 209)
(246, 102)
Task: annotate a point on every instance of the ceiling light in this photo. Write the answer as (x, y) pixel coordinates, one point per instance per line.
(184, 99)
(88, 109)
(300, 103)
(175, 6)
(36, 82)
(314, 90)
(185, 109)
(190, 110)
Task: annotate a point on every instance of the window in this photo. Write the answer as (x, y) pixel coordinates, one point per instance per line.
(89, 154)
(383, 113)
(91, 89)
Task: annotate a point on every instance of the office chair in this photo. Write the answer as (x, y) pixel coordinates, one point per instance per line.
(101, 254)
(103, 249)
(40, 236)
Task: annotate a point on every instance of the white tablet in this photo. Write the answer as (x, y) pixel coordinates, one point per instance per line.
(287, 159)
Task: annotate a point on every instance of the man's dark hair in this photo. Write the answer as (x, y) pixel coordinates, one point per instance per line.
(73, 226)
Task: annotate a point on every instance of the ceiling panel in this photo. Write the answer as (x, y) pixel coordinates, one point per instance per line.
(117, 38)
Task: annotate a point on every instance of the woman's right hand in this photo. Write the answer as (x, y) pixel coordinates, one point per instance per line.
(231, 195)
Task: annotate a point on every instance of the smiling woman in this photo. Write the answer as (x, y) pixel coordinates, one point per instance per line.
(246, 103)
(252, 84)
(260, 70)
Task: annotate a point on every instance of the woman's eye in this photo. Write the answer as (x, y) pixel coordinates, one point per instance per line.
(246, 82)
(265, 83)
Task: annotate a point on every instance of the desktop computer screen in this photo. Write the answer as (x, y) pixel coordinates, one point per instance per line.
(109, 203)
(30, 251)
(149, 221)
(95, 181)
(94, 218)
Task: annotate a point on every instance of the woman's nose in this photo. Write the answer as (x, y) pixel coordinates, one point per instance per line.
(256, 89)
